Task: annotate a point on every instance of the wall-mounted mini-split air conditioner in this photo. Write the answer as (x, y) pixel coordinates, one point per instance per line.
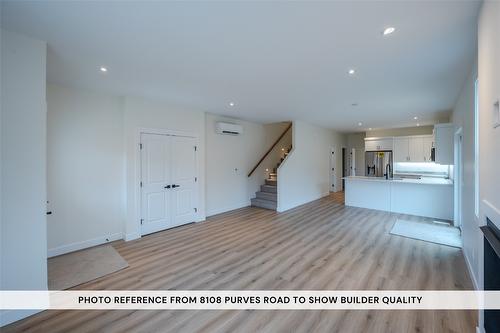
(228, 128)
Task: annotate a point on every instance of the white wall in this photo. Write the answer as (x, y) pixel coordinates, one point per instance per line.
(85, 169)
(229, 159)
(489, 137)
(145, 114)
(23, 252)
(463, 117)
(304, 175)
(417, 130)
(489, 93)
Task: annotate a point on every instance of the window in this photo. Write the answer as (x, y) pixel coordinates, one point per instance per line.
(476, 147)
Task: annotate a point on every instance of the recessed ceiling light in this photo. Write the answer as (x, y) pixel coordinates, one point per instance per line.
(389, 30)
(103, 69)
(231, 104)
(360, 124)
(352, 72)
(418, 124)
(415, 118)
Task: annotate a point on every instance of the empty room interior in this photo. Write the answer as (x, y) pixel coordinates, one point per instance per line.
(266, 146)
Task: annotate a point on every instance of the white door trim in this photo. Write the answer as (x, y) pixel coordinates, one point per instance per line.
(458, 177)
(138, 172)
(333, 170)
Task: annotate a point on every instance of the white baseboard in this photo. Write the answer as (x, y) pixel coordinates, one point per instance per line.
(132, 236)
(280, 210)
(471, 270)
(228, 208)
(136, 235)
(9, 316)
(83, 245)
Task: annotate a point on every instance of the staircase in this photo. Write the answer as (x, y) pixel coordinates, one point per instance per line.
(267, 197)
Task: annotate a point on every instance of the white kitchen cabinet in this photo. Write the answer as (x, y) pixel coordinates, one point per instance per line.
(401, 149)
(412, 148)
(435, 201)
(418, 197)
(416, 149)
(375, 144)
(443, 135)
(368, 194)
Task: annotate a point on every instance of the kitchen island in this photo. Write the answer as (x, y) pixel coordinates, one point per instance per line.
(427, 196)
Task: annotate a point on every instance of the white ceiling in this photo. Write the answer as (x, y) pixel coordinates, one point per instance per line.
(276, 60)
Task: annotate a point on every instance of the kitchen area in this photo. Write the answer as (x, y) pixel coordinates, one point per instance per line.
(407, 174)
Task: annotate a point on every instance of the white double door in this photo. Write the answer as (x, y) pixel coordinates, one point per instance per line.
(169, 183)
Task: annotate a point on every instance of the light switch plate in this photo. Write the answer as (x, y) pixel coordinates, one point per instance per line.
(496, 113)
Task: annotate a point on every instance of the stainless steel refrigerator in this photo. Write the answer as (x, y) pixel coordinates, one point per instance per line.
(379, 163)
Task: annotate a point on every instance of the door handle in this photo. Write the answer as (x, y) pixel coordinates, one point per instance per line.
(168, 186)
(174, 186)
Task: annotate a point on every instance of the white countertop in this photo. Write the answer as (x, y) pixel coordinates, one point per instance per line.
(422, 181)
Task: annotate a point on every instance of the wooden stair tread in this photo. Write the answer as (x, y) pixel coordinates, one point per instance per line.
(271, 182)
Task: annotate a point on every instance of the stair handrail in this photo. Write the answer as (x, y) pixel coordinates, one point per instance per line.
(270, 149)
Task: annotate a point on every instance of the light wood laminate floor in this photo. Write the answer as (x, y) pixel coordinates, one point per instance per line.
(321, 245)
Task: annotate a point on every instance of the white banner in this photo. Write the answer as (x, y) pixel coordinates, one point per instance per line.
(249, 299)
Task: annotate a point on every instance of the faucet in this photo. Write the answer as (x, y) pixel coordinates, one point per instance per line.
(387, 170)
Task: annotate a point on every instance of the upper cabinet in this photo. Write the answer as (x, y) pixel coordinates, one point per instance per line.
(416, 148)
(443, 134)
(376, 144)
(413, 148)
(401, 149)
